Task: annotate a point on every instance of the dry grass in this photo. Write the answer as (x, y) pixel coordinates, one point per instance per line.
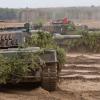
(89, 23)
(10, 24)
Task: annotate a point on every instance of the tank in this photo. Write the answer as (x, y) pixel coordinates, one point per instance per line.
(11, 38)
(61, 39)
(62, 26)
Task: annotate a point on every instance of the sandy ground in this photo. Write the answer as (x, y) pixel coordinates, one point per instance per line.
(79, 81)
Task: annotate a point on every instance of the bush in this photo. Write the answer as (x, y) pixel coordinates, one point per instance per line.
(61, 55)
(45, 40)
(5, 69)
(22, 62)
(17, 66)
(41, 39)
(88, 42)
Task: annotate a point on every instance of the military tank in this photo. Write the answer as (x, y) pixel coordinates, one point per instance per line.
(11, 38)
(63, 26)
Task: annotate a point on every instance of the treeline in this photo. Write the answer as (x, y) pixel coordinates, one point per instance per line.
(8, 14)
(44, 14)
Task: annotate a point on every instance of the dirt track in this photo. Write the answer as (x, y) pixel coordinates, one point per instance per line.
(80, 80)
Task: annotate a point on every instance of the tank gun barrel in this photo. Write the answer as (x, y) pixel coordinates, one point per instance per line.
(67, 37)
(61, 39)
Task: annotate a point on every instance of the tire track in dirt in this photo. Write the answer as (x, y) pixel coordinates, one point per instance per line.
(81, 76)
(81, 66)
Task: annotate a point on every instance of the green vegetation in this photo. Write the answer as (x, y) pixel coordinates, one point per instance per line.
(70, 27)
(42, 15)
(5, 69)
(22, 62)
(42, 40)
(45, 41)
(17, 66)
(88, 42)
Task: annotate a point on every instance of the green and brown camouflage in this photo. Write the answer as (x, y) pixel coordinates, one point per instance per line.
(12, 41)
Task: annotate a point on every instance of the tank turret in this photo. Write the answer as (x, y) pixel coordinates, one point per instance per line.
(13, 34)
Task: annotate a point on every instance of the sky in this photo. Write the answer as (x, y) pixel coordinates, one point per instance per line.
(46, 3)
